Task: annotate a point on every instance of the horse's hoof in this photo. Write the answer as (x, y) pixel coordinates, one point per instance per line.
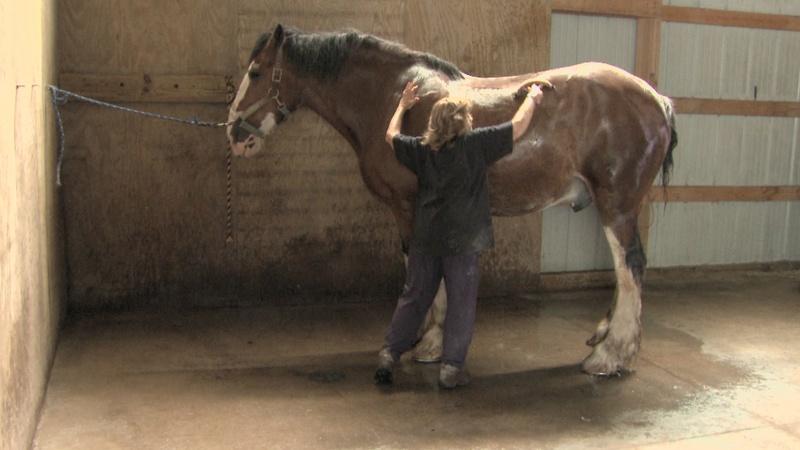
(605, 363)
(423, 359)
(383, 377)
(429, 348)
(599, 335)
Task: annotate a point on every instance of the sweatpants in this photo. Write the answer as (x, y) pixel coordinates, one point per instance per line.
(424, 272)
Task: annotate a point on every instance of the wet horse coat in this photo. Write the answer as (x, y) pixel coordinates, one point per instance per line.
(600, 134)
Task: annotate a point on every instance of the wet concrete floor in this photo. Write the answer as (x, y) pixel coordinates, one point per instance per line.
(718, 369)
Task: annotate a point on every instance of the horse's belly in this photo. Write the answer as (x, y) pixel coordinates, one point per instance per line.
(533, 177)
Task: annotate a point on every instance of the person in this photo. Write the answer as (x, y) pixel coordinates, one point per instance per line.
(452, 223)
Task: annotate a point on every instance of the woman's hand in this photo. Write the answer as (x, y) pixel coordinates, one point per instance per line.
(407, 101)
(535, 93)
(409, 98)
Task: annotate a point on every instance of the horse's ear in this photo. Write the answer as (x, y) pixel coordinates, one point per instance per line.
(277, 35)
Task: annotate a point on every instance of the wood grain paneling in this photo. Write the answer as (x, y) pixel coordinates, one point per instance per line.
(687, 105)
(685, 194)
(146, 200)
(639, 8)
(727, 18)
(515, 40)
(151, 88)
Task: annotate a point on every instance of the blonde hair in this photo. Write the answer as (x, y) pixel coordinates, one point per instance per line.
(450, 118)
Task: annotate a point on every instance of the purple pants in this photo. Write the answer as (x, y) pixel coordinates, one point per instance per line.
(424, 272)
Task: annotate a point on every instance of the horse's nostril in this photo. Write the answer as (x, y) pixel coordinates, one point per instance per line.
(238, 134)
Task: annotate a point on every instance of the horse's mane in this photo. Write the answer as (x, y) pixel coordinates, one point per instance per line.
(324, 54)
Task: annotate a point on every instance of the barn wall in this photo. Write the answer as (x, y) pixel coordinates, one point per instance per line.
(730, 63)
(575, 241)
(146, 201)
(31, 279)
(788, 7)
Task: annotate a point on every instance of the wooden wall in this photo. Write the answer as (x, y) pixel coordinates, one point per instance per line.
(148, 214)
(31, 268)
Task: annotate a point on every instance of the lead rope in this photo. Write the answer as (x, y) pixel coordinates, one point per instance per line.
(60, 97)
(229, 196)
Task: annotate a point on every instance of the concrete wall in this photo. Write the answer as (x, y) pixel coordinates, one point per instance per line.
(30, 252)
(146, 200)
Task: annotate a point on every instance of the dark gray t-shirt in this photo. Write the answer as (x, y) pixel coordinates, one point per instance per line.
(452, 214)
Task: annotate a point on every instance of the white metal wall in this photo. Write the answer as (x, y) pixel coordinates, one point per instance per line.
(575, 241)
(709, 62)
(730, 63)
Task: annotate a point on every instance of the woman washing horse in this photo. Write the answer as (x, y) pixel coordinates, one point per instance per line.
(452, 223)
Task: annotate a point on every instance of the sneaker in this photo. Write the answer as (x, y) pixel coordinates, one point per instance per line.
(451, 376)
(386, 362)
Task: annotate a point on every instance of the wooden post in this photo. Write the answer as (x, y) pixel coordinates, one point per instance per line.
(648, 46)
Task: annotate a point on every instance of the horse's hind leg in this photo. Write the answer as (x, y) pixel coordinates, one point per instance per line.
(616, 340)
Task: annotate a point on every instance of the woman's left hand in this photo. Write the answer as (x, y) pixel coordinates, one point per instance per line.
(409, 98)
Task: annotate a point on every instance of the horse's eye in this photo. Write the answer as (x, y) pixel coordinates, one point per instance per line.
(253, 75)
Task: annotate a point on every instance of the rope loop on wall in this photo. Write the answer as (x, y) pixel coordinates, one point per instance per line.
(61, 97)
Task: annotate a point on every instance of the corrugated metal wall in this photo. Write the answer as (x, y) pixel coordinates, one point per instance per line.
(575, 241)
(709, 62)
(730, 63)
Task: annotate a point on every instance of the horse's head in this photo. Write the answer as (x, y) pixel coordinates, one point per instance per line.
(266, 96)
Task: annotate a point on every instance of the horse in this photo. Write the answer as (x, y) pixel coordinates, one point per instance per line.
(599, 135)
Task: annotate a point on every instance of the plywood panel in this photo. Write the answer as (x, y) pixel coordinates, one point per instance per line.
(149, 36)
(379, 17)
(31, 288)
(513, 41)
(788, 7)
(153, 223)
(724, 194)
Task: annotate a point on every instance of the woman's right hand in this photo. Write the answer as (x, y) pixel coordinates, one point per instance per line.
(409, 98)
(535, 93)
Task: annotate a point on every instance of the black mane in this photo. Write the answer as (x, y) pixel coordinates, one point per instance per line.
(324, 54)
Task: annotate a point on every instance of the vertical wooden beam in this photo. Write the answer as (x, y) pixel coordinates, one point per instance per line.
(648, 47)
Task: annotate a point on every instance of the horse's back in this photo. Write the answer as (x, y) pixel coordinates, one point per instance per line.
(598, 125)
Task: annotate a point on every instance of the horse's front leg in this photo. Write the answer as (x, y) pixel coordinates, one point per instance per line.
(431, 333)
(429, 347)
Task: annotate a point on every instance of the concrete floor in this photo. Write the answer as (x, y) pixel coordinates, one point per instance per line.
(718, 369)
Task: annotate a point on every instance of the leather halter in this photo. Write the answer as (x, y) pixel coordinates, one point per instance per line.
(277, 74)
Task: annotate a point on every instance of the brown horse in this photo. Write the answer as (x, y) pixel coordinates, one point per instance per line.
(600, 134)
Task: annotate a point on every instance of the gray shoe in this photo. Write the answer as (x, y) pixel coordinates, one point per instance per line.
(386, 362)
(451, 376)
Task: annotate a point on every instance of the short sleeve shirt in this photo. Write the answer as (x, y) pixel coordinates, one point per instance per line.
(452, 214)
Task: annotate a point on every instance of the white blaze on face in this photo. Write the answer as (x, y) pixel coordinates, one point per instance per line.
(253, 144)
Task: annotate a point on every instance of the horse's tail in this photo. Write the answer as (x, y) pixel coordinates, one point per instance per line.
(666, 166)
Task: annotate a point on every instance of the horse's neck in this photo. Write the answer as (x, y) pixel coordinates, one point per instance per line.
(359, 103)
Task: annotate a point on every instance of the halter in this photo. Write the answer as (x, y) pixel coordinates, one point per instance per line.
(277, 74)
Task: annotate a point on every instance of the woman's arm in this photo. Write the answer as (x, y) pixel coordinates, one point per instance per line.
(407, 101)
(524, 114)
